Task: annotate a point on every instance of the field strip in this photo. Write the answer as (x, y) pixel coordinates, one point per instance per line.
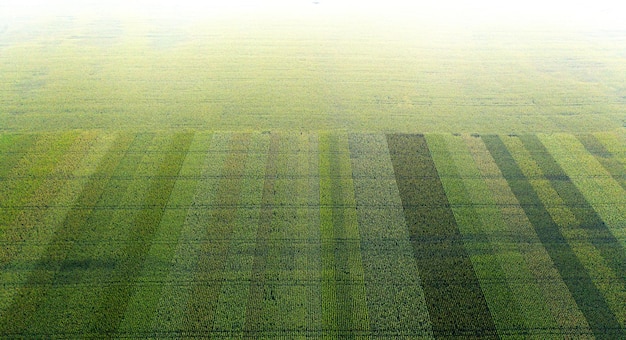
(348, 260)
(547, 290)
(232, 304)
(588, 298)
(32, 293)
(614, 143)
(343, 292)
(291, 281)
(96, 262)
(328, 289)
(43, 223)
(448, 278)
(111, 305)
(312, 226)
(604, 255)
(609, 161)
(175, 294)
(601, 191)
(395, 298)
(259, 293)
(287, 280)
(344, 298)
(142, 306)
(30, 172)
(26, 221)
(279, 286)
(456, 168)
(282, 288)
(203, 300)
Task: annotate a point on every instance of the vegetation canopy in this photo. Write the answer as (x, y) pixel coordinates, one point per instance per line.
(312, 169)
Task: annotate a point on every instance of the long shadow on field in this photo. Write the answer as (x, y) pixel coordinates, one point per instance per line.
(589, 299)
(456, 303)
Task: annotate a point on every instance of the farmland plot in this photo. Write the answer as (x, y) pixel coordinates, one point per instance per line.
(307, 70)
(314, 169)
(311, 235)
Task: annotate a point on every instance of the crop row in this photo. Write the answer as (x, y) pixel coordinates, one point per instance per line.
(395, 298)
(587, 295)
(453, 295)
(610, 161)
(343, 294)
(28, 298)
(311, 234)
(497, 277)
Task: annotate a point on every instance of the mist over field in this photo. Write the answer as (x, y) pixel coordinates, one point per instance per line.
(442, 66)
(603, 12)
(312, 169)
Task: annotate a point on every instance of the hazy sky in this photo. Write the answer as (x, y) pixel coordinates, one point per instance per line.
(599, 13)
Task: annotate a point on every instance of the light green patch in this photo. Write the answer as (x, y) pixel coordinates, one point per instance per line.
(604, 194)
(344, 305)
(543, 298)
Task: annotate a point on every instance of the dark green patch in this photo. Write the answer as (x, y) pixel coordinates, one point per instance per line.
(455, 300)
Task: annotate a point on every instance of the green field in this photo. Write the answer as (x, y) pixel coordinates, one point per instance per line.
(320, 176)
